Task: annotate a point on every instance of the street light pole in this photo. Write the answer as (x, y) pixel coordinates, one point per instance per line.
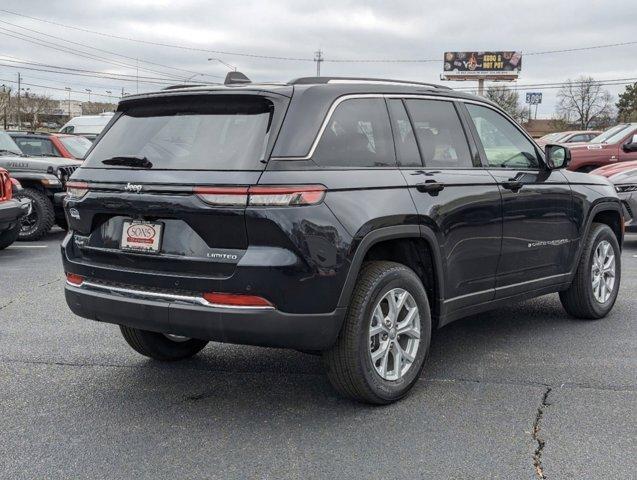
(89, 96)
(19, 120)
(222, 62)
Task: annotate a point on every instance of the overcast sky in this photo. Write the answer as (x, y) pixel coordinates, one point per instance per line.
(397, 29)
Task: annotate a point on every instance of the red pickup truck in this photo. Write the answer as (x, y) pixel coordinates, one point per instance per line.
(617, 144)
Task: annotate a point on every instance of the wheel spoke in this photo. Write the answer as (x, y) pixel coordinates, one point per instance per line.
(408, 320)
(408, 356)
(410, 332)
(380, 352)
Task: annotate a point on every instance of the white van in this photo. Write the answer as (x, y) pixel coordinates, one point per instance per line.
(89, 126)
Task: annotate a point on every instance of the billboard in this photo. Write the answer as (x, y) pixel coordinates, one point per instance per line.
(505, 64)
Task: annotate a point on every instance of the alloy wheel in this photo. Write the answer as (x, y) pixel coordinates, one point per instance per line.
(603, 271)
(394, 334)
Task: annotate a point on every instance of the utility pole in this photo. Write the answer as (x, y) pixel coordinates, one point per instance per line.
(68, 89)
(138, 75)
(19, 120)
(481, 87)
(318, 58)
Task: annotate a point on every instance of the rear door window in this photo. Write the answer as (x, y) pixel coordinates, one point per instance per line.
(357, 135)
(227, 132)
(440, 135)
(407, 152)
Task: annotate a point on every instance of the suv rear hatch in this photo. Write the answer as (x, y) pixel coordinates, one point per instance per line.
(165, 188)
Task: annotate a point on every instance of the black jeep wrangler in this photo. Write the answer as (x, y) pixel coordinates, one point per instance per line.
(344, 216)
(43, 179)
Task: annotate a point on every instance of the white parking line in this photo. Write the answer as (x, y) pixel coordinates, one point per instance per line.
(29, 246)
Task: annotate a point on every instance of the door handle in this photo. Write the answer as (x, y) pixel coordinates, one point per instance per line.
(512, 185)
(431, 187)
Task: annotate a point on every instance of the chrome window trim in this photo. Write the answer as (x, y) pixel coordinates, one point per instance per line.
(344, 98)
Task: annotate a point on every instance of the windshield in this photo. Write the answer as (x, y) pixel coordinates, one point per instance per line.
(227, 132)
(8, 145)
(77, 146)
(609, 136)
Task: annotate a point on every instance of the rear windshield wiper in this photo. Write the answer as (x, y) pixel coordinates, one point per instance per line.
(129, 161)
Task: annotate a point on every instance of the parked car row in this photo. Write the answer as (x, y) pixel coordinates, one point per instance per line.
(614, 145)
(43, 179)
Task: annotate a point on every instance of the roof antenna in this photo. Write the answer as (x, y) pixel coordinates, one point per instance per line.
(234, 78)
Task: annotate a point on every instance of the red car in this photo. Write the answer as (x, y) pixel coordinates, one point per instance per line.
(36, 144)
(11, 209)
(617, 144)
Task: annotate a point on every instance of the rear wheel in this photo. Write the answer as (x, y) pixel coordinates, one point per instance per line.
(384, 341)
(594, 289)
(166, 347)
(42, 217)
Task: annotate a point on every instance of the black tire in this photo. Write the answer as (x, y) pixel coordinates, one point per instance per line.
(8, 237)
(578, 300)
(349, 364)
(159, 346)
(42, 217)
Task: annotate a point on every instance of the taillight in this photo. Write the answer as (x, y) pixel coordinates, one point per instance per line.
(286, 195)
(274, 195)
(76, 190)
(237, 300)
(74, 279)
(226, 196)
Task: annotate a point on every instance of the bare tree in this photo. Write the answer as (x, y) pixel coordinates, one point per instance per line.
(34, 105)
(7, 105)
(584, 102)
(509, 101)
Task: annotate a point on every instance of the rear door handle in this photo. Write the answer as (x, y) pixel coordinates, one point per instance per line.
(431, 187)
(512, 185)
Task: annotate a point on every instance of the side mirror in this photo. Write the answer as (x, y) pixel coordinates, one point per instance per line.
(629, 147)
(557, 156)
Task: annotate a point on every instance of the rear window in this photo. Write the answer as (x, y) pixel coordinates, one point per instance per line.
(206, 133)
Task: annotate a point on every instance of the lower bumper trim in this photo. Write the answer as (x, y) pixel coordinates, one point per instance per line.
(264, 327)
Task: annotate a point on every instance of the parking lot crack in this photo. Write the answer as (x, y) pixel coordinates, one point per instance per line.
(535, 433)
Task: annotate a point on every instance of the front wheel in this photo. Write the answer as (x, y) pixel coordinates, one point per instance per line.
(37, 223)
(594, 289)
(161, 346)
(384, 341)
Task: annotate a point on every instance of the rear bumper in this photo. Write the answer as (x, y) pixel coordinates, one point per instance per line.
(264, 327)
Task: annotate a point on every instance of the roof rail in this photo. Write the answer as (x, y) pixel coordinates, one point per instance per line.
(184, 85)
(380, 81)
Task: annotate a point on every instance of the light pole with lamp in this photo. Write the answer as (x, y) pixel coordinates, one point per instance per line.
(68, 89)
(222, 62)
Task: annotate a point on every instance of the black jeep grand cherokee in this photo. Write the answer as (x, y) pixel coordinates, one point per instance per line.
(345, 216)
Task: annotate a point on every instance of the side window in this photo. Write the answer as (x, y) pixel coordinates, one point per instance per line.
(357, 135)
(440, 134)
(581, 137)
(406, 148)
(504, 145)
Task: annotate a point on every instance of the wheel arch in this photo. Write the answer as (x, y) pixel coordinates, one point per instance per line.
(606, 212)
(401, 243)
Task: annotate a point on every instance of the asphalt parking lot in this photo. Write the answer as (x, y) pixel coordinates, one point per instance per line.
(512, 394)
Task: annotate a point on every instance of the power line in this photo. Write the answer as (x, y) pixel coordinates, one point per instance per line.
(555, 85)
(107, 51)
(80, 53)
(48, 87)
(85, 73)
(298, 59)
